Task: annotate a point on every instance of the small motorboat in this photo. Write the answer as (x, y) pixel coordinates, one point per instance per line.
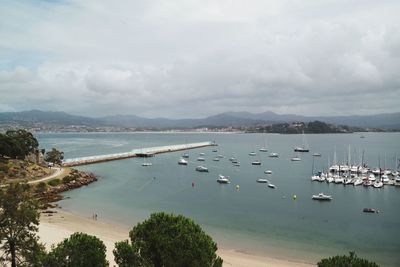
(252, 154)
(237, 164)
(274, 155)
(370, 210)
(316, 155)
(232, 159)
(322, 197)
(201, 154)
(220, 156)
(295, 159)
(216, 159)
(201, 169)
(378, 184)
(223, 179)
(263, 149)
(262, 181)
(185, 155)
(146, 164)
(257, 163)
(182, 161)
(201, 159)
(268, 172)
(271, 186)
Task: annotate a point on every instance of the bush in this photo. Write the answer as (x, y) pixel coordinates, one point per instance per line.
(167, 240)
(79, 250)
(346, 261)
(41, 187)
(54, 182)
(67, 179)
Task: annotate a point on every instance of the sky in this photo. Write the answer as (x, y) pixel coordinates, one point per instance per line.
(195, 58)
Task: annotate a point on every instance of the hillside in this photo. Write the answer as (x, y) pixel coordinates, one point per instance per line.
(227, 119)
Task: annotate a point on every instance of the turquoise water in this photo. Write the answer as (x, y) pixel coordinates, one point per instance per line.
(254, 219)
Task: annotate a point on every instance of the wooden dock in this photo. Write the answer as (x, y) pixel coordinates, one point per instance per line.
(150, 151)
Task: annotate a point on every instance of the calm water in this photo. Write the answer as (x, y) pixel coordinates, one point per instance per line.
(255, 218)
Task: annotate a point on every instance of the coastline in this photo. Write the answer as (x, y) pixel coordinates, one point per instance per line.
(55, 227)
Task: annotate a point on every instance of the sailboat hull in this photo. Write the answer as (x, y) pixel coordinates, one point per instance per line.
(299, 149)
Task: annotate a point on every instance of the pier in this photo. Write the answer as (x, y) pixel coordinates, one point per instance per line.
(142, 152)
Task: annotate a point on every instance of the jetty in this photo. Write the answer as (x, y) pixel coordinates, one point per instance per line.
(140, 152)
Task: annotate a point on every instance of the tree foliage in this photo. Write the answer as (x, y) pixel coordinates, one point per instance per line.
(17, 144)
(167, 240)
(79, 250)
(55, 156)
(19, 219)
(346, 261)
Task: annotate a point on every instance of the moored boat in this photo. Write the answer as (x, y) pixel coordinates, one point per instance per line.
(201, 169)
(322, 197)
(223, 179)
(182, 161)
(261, 180)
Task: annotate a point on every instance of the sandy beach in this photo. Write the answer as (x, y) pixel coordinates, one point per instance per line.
(62, 224)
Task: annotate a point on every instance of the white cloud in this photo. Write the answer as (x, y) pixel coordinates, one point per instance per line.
(195, 58)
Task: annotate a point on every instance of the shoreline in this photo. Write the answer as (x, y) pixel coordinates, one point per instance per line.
(55, 227)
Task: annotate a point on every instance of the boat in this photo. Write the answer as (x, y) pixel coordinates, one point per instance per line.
(201, 169)
(223, 179)
(370, 210)
(146, 164)
(317, 155)
(216, 159)
(201, 159)
(274, 155)
(237, 164)
(235, 161)
(232, 159)
(257, 163)
(215, 150)
(201, 154)
(378, 184)
(185, 155)
(261, 180)
(271, 186)
(252, 154)
(322, 197)
(220, 156)
(297, 158)
(304, 147)
(182, 161)
(362, 136)
(268, 172)
(264, 148)
(358, 181)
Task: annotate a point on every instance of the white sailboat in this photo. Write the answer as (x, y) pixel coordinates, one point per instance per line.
(264, 148)
(304, 147)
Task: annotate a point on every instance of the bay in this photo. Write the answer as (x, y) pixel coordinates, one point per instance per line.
(254, 219)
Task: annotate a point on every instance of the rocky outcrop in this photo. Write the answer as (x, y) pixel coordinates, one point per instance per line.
(74, 180)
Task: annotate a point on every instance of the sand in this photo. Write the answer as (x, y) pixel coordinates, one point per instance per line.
(62, 224)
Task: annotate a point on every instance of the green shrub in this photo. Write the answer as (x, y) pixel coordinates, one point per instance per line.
(54, 182)
(346, 261)
(67, 179)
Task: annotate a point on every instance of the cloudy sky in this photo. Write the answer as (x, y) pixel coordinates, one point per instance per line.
(193, 58)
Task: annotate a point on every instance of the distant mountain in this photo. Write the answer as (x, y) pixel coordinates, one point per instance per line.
(234, 119)
(47, 117)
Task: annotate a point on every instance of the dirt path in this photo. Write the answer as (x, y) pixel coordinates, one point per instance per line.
(58, 172)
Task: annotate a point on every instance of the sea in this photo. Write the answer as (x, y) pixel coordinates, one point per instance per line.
(245, 215)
